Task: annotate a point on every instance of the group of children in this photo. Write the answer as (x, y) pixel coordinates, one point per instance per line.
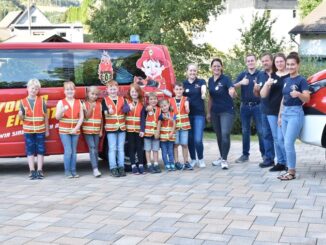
(147, 126)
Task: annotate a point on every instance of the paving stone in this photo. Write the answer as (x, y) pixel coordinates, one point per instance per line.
(126, 240)
(235, 240)
(184, 241)
(158, 237)
(72, 240)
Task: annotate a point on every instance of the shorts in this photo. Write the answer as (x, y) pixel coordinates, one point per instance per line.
(181, 137)
(151, 144)
(34, 144)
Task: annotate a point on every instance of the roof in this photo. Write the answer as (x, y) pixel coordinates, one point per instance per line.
(35, 39)
(9, 19)
(313, 23)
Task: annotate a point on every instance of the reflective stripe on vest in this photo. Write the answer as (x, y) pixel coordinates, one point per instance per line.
(70, 118)
(133, 118)
(182, 118)
(115, 121)
(151, 122)
(34, 119)
(166, 129)
(92, 125)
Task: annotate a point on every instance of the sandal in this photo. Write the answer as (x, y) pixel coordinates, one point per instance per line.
(287, 176)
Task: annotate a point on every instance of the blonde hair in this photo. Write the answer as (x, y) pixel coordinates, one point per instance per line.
(152, 95)
(112, 83)
(92, 88)
(192, 64)
(34, 82)
(69, 84)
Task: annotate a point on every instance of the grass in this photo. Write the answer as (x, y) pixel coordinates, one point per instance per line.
(236, 137)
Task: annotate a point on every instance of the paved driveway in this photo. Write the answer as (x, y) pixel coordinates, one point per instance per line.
(242, 205)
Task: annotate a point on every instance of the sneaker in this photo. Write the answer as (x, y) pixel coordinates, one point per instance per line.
(122, 172)
(224, 164)
(193, 163)
(172, 166)
(115, 172)
(141, 169)
(75, 176)
(69, 176)
(179, 165)
(201, 163)
(217, 162)
(278, 167)
(157, 169)
(33, 175)
(187, 166)
(168, 167)
(266, 164)
(96, 173)
(150, 169)
(134, 170)
(40, 174)
(242, 159)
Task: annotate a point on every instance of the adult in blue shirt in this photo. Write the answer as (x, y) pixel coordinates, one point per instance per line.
(263, 76)
(250, 107)
(295, 93)
(221, 110)
(195, 90)
(271, 94)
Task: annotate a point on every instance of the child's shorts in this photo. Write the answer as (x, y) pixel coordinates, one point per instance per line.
(35, 144)
(151, 144)
(181, 137)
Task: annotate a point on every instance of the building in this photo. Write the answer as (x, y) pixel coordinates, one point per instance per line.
(223, 32)
(312, 31)
(15, 27)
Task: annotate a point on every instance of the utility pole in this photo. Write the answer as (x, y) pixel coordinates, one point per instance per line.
(29, 18)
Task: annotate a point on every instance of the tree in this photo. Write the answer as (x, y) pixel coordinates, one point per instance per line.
(306, 6)
(172, 23)
(258, 39)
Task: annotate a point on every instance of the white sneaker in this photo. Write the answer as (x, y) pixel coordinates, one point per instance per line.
(96, 173)
(217, 162)
(224, 164)
(193, 163)
(201, 163)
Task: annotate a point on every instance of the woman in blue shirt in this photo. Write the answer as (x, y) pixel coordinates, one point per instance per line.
(291, 116)
(195, 90)
(221, 110)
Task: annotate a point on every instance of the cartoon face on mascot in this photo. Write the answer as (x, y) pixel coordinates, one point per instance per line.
(105, 69)
(152, 63)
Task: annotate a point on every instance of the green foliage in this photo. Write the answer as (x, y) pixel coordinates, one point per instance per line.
(80, 13)
(55, 17)
(172, 23)
(306, 6)
(257, 39)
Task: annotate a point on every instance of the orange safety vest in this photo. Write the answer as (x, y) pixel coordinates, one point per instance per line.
(115, 121)
(182, 121)
(166, 128)
(151, 122)
(70, 118)
(34, 120)
(92, 125)
(133, 118)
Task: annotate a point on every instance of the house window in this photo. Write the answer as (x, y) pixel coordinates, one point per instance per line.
(268, 12)
(294, 13)
(33, 19)
(62, 34)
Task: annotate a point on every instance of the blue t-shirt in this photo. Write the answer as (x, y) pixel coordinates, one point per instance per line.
(247, 93)
(193, 92)
(219, 92)
(298, 83)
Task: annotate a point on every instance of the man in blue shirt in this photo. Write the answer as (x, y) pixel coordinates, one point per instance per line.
(250, 107)
(263, 76)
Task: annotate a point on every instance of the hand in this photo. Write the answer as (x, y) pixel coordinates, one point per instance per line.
(141, 134)
(208, 117)
(295, 94)
(203, 96)
(101, 134)
(149, 108)
(111, 111)
(157, 135)
(21, 115)
(131, 106)
(269, 82)
(171, 134)
(47, 133)
(245, 81)
(279, 121)
(74, 131)
(65, 108)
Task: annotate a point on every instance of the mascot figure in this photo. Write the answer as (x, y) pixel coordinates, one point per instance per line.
(105, 70)
(152, 63)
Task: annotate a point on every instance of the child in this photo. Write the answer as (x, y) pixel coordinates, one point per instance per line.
(36, 127)
(180, 106)
(151, 136)
(92, 126)
(70, 115)
(114, 108)
(166, 127)
(135, 126)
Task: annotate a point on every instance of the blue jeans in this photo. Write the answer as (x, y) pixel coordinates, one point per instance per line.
(92, 142)
(267, 139)
(167, 152)
(278, 139)
(246, 113)
(116, 142)
(195, 139)
(69, 142)
(292, 122)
